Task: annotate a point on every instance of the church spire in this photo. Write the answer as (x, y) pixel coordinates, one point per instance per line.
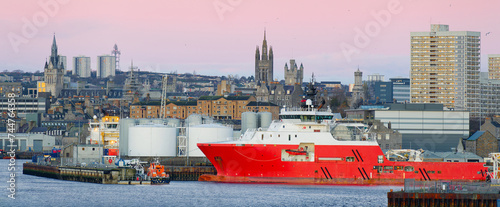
(54, 47)
(264, 47)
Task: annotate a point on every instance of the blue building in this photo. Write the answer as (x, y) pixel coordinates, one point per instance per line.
(401, 89)
(383, 91)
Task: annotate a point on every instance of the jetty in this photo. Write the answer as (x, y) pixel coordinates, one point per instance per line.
(445, 193)
(110, 174)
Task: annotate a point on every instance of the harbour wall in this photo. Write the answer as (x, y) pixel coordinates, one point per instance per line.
(113, 175)
(445, 193)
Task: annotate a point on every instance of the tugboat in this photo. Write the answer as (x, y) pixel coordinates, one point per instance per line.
(156, 173)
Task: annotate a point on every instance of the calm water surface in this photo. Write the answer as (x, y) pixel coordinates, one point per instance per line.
(38, 191)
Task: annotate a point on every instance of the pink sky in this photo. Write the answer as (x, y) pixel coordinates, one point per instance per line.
(189, 35)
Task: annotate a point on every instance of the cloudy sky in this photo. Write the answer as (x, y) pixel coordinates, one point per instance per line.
(218, 37)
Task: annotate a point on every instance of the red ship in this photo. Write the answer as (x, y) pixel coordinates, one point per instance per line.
(300, 149)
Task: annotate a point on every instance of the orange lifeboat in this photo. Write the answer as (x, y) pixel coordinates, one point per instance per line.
(156, 174)
(156, 170)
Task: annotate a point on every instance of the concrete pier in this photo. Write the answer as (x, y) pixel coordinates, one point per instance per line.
(112, 175)
(104, 176)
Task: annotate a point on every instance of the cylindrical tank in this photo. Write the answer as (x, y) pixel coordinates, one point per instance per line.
(193, 119)
(157, 121)
(174, 122)
(152, 141)
(265, 119)
(123, 141)
(248, 121)
(144, 121)
(206, 133)
(207, 119)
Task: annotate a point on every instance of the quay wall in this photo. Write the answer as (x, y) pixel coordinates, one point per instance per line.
(112, 176)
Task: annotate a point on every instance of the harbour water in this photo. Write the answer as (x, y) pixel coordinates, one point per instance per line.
(38, 191)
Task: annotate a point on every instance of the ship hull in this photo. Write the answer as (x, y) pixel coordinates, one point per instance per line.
(160, 181)
(326, 164)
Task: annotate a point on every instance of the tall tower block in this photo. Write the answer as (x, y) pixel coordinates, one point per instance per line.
(445, 68)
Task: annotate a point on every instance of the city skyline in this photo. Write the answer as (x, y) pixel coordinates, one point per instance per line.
(219, 37)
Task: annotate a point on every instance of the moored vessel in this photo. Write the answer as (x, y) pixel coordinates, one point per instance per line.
(300, 148)
(156, 173)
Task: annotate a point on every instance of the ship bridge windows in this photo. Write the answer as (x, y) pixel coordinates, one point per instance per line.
(321, 118)
(111, 126)
(398, 167)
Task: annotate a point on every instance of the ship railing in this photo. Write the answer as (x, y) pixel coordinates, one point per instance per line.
(449, 186)
(292, 109)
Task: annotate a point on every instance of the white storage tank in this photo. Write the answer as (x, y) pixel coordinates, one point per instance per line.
(206, 133)
(207, 119)
(144, 121)
(173, 122)
(248, 121)
(265, 119)
(193, 119)
(152, 141)
(157, 121)
(123, 140)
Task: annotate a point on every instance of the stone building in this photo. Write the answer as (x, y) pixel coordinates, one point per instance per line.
(279, 94)
(386, 137)
(54, 72)
(481, 143)
(357, 90)
(217, 107)
(491, 125)
(294, 75)
(224, 88)
(264, 64)
(10, 87)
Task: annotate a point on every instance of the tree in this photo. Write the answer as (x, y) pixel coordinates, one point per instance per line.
(338, 101)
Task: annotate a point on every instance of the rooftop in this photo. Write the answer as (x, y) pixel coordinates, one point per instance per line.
(475, 136)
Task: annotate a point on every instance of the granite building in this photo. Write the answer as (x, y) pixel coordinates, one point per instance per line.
(54, 72)
(294, 74)
(264, 64)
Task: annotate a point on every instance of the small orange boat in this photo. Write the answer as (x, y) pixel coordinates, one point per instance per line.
(156, 172)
